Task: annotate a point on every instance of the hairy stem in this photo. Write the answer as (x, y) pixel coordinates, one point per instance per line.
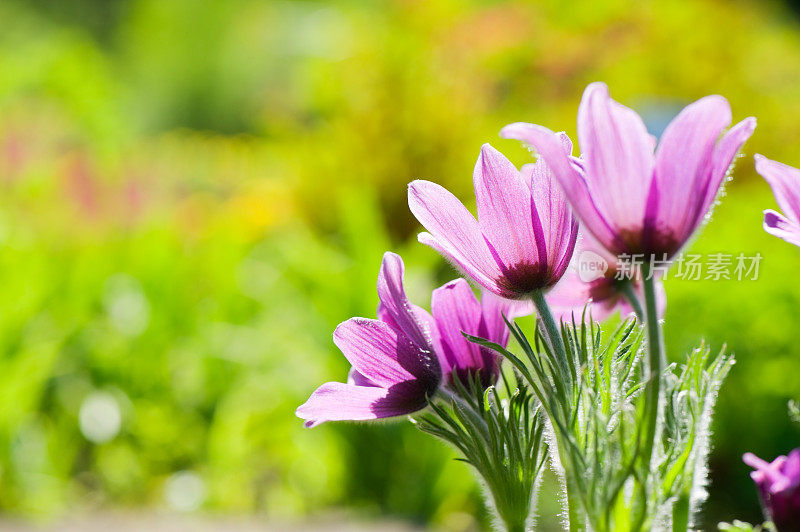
(552, 332)
(655, 361)
(680, 513)
(626, 287)
(512, 526)
(577, 520)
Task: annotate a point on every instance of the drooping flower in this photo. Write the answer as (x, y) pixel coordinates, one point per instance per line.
(632, 197)
(402, 358)
(785, 183)
(455, 310)
(597, 277)
(395, 368)
(778, 485)
(525, 233)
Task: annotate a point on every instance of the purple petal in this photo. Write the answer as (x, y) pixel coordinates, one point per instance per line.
(454, 232)
(357, 379)
(557, 223)
(493, 308)
(382, 354)
(570, 296)
(456, 309)
(395, 308)
(755, 462)
(493, 327)
(724, 155)
(684, 164)
(387, 317)
(785, 183)
(504, 210)
(791, 468)
(423, 317)
(551, 149)
(617, 152)
(336, 401)
(384, 315)
(776, 225)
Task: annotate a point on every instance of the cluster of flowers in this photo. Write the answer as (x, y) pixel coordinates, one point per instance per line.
(627, 194)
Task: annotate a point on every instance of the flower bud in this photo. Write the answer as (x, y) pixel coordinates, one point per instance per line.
(779, 487)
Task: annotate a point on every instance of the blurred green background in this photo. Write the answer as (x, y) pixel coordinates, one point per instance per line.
(195, 194)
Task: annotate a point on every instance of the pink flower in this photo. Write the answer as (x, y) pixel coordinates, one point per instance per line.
(785, 183)
(603, 290)
(525, 233)
(455, 309)
(402, 358)
(631, 196)
(778, 485)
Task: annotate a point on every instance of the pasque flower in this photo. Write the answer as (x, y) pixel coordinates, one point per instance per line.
(778, 485)
(632, 196)
(395, 368)
(455, 310)
(785, 183)
(525, 233)
(596, 277)
(402, 358)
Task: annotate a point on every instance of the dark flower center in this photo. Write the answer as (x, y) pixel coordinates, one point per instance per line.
(649, 242)
(524, 278)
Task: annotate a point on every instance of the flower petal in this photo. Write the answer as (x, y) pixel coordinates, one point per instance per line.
(395, 308)
(455, 309)
(785, 183)
(423, 317)
(382, 354)
(777, 225)
(336, 401)
(617, 152)
(453, 256)
(684, 168)
(504, 211)
(569, 176)
(357, 379)
(568, 298)
(454, 232)
(493, 308)
(724, 155)
(556, 222)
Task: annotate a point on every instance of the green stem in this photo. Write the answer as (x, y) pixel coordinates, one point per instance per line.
(515, 527)
(680, 513)
(626, 287)
(655, 362)
(552, 332)
(577, 520)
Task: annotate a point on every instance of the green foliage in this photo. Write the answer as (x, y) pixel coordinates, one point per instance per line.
(691, 393)
(794, 411)
(501, 437)
(741, 526)
(597, 410)
(241, 166)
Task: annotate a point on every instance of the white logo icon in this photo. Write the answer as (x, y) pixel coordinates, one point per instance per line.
(591, 266)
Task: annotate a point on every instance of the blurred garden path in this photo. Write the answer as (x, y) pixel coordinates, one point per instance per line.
(136, 522)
